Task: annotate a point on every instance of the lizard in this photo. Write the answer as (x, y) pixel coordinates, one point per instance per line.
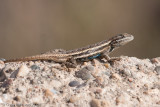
(100, 49)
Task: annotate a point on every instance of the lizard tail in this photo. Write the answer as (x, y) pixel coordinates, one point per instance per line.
(30, 58)
(38, 57)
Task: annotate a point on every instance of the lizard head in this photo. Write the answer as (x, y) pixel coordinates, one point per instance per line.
(120, 40)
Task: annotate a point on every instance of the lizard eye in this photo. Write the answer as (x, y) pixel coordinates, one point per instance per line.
(114, 43)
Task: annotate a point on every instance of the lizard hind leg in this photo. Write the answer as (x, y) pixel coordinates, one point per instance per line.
(70, 63)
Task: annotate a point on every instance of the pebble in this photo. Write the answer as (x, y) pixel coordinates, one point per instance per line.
(107, 73)
(2, 76)
(95, 103)
(99, 79)
(31, 63)
(70, 105)
(95, 90)
(130, 79)
(158, 102)
(84, 73)
(120, 100)
(98, 90)
(48, 93)
(85, 63)
(126, 72)
(56, 84)
(1, 101)
(23, 71)
(2, 59)
(81, 85)
(117, 76)
(74, 83)
(99, 103)
(7, 83)
(32, 82)
(35, 67)
(54, 91)
(74, 99)
(1, 62)
(153, 91)
(90, 68)
(17, 98)
(5, 96)
(18, 90)
(45, 68)
(37, 100)
(106, 65)
(155, 60)
(157, 69)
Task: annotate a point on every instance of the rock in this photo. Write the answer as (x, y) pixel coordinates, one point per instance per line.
(1, 101)
(84, 73)
(81, 85)
(74, 99)
(1, 62)
(48, 93)
(54, 91)
(126, 72)
(7, 83)
(155, 60)
(90, 68)
(116, 76)
(99, 103)
(23, 71)
(120, 100)
(157, 69)
(31, 63)
(34, 67)
(2, 59)
(130, 79)
(98, 86)
(17, 98)
(99, 79)
(56, 84)
(2, 76)
(107, 73)
(70, 105)
(95, 90)
(95, 103)
(74, 83)
(106, 65)
(18, 90)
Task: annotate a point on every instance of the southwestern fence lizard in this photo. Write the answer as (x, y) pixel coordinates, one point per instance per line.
(100, 49)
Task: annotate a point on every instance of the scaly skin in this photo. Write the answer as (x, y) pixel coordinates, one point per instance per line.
(103, 49)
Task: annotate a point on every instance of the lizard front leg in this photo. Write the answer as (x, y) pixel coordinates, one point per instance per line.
(109, 59)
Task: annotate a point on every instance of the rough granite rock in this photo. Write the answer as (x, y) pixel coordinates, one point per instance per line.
(129, 82)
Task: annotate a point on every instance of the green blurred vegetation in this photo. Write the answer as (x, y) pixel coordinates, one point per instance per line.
(29, 27)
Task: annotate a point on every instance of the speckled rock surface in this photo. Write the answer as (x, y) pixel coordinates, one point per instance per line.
(129, 82)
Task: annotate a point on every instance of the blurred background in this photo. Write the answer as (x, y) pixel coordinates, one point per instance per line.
(30, 27)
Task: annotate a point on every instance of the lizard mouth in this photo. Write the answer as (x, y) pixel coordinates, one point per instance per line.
(121, 40)
(126, 39)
